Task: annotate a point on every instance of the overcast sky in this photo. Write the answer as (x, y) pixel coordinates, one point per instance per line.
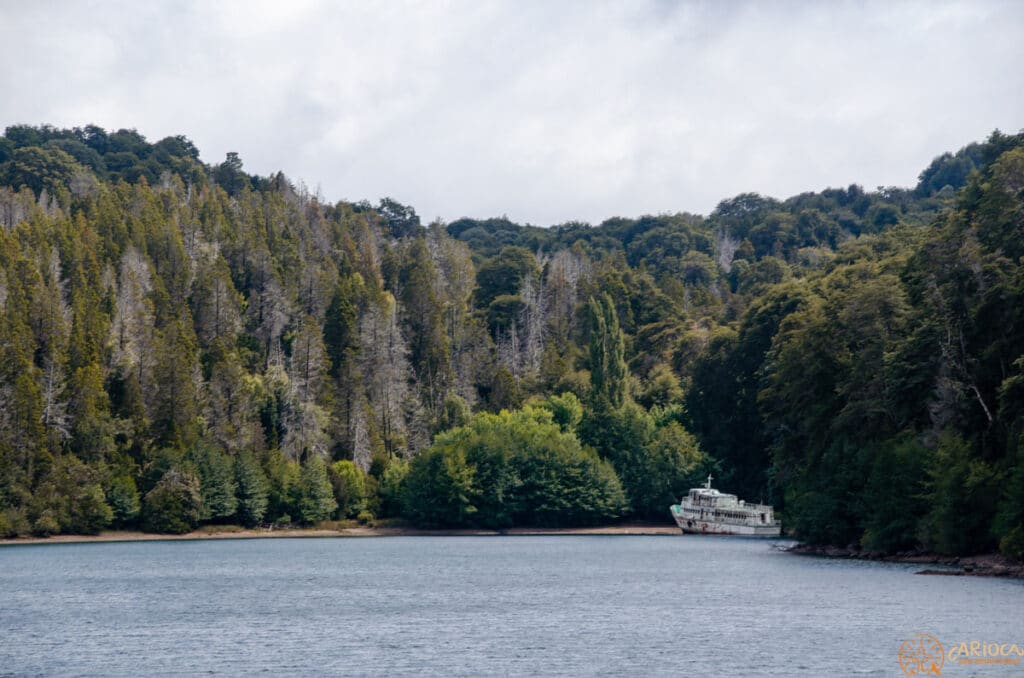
(542, 111)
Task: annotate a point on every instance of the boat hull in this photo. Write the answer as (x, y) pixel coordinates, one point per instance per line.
(710, 527)
(736, 531)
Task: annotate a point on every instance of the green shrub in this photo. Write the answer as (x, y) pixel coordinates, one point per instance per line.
(1012, 545)
(90, 512)
(174, 506)
(510, 468)
(45, 525)
(14, 523)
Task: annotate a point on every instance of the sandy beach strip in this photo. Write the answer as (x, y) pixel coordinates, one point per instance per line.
(313, 532)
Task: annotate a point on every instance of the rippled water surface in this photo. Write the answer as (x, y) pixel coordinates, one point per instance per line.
(568, 605)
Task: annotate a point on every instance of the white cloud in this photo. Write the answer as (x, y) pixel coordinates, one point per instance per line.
(542, 111)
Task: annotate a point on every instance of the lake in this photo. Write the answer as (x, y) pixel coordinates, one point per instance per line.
(515, 605)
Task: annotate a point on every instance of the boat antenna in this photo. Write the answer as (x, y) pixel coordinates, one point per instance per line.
(708, 486)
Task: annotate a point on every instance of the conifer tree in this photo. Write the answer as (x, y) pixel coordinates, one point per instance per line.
(316, 497)
(252, 490)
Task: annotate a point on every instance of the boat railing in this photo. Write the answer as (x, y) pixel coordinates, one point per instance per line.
(746, 511)
(730, 506)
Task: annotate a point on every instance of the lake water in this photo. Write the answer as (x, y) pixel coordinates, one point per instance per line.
(554, 605)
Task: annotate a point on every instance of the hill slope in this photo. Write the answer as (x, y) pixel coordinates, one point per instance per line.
(184, 343)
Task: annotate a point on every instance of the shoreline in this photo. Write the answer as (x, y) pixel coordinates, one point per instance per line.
(229, 532)
(982, 565)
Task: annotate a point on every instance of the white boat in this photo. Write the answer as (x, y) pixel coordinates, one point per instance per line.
(705, 510)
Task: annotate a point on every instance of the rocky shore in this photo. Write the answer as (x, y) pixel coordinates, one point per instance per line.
(986, 565)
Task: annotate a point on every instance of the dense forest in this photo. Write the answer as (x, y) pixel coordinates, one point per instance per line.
(184, 344)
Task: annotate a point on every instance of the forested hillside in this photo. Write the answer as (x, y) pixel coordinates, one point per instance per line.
(184, 344)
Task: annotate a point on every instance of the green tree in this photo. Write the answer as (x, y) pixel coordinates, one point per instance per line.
(661, 388)
(439, 490)
(671, 464)
(894, 496)
(315, 495)
(229, 174)
(123, 497)
(217, 483)
(503, 274)
(566, 411)
(962, 492)
(401, 220)
(282, 487)
(174, 505)
(424, 323)
(92, 427)
(608, 372)
(454, 413)
(71, 497)
(39, 169)
(349, 484)
(174, 397)
(252, 490)
(391, 484)
(90, 512)
(341, 331)
(511, 468)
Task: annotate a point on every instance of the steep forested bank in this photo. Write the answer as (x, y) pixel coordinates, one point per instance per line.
(184, 344)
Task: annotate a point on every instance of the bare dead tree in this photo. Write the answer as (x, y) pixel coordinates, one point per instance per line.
(725, 249)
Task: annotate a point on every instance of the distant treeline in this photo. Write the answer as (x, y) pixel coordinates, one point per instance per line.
(184, 344)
